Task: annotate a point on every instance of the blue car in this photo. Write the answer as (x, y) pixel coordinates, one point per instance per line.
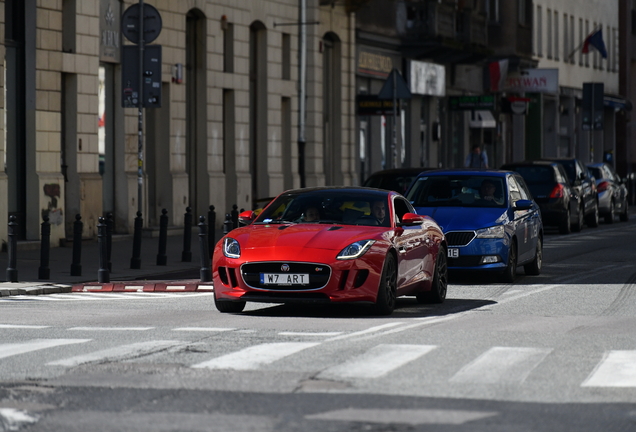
(489, 218)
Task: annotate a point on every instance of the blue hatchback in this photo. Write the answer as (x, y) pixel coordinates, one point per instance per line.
(489, 218)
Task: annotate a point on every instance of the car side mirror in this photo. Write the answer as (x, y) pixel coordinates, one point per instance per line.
(246, 217)
(411, 219)
(522, 205)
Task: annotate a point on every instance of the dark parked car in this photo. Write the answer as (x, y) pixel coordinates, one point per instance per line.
(612, 192)
(584, 186)
(395, 179)
(551, 189)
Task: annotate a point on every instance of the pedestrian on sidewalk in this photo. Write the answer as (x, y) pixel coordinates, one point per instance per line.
(476, 158)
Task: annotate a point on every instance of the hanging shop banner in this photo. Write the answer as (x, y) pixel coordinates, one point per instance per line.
(109, 31)
(427, 78)
(376, 64)
(533, 81)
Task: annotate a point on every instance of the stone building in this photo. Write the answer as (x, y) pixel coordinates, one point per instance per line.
(227, 130)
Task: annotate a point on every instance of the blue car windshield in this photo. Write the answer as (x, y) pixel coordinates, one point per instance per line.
(458, 190)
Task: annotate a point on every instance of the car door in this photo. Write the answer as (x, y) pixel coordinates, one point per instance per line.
(411, 244)
(522, 221)
(588, 187)
(535, 223)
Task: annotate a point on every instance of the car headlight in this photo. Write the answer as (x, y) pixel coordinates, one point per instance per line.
(355, 250)
(231, 248)
(491, 232)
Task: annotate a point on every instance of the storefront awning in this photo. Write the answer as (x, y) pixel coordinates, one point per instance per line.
(482, 119)
(617, 102)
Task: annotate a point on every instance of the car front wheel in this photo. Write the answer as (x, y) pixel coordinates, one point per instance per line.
(510, 273)
(387, 291)
(611, 216)
(534, 268)
(229, 306)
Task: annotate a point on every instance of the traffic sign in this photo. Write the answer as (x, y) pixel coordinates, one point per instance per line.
(151, 77)
(130, 23)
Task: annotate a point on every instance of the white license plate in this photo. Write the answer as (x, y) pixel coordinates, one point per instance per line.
(284, 278)
(453, 253)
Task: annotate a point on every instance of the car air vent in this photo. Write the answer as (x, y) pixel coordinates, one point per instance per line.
(459, 238)
(333, 228)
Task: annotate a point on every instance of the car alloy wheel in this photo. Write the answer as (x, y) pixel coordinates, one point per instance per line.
(387, 291)
(534, 268)
(439, 286)
(510, 273)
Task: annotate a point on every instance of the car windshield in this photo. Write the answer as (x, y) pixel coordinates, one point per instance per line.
(396, 182)
(569, 169)
(458, 190)
(596, 172)
(325, 206)
(536, 174)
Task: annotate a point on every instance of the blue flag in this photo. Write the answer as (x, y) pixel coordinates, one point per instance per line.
(596, 40)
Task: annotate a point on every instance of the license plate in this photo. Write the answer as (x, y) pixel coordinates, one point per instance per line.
(453, 252)
(284, 278)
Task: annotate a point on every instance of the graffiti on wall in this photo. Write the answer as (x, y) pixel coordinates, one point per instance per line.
(52, 211)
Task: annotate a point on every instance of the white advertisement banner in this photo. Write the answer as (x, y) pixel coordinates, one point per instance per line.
(427, 79)
(533, 81)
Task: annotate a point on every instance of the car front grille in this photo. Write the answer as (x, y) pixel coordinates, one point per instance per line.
(318, 274)
(459, 238)
(466, 261)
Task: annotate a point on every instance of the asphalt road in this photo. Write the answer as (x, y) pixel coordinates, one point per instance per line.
(555, 352)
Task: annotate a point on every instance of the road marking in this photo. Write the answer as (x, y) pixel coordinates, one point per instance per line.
(377, 361)
(309, 333)
(509, 365)
(403, 416)
(19, 326)
(616, 369)
(117, 353)
(94, 296)
(111, 328)
(255, 356)
(8, 350)
(364, 332)
(13, 419)
(204, 329)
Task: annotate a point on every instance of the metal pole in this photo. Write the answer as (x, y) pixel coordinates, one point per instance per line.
(103, 275)
(76, 265)
(140, 145)
(395, 99)
(186, 254)
(12, 270)
(162, 258)
(44, 272)
(205, 272)
(302, 76)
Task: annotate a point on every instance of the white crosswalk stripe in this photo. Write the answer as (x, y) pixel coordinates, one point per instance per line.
(117, 353)
(617, 369)
(12, 349)
(510, 365)
(376, 362)
(106, 296)
(256, 356)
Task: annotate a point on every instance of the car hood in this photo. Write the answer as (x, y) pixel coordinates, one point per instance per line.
(302, 236)
(464, 218)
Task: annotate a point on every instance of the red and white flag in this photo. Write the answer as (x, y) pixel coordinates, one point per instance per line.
(498, 73)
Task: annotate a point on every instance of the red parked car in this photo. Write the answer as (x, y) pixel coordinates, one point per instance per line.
(331, 245)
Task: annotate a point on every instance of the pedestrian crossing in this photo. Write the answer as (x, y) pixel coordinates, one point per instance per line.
(495, 366)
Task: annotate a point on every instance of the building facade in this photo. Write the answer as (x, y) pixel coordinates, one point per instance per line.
(226, 131)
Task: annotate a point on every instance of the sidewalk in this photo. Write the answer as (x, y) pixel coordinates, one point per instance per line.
(182, 276)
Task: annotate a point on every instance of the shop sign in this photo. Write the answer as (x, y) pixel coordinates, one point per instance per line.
(427, 78)
(375, 64)
(372, 105)
(533, 81)
(109, 31)
(465, 103)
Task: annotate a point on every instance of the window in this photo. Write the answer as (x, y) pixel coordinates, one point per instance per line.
(566, 40)
(581, 39)
(523, 12)
(587, 32)
(556, 35)
(572, 43)
(549, 26)
(539, 33)
(286, 46)
(228, 47)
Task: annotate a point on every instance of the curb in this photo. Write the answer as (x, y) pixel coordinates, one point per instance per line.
(23, 289)
(189, 285)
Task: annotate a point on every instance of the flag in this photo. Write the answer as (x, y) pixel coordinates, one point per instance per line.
(595, 39)
(498, 73)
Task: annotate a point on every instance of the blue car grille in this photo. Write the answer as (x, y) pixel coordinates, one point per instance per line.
(459, 238)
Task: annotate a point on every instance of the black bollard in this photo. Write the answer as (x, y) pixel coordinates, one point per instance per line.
(212, 232)
(135, 261)
(206, 265)
(235, 214)
(186, 255)
(12, 271)
(162, 259)
(103, 275)
(227, 225)
(110, 224)
(44, 272)
(78, 228)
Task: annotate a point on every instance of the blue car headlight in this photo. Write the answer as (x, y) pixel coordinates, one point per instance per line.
(491, 232)
(231, 248)
(355, 250)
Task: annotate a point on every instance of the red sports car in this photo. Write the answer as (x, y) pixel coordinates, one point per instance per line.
(332, 245)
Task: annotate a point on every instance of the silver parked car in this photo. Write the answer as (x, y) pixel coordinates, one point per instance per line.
(612, 192)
